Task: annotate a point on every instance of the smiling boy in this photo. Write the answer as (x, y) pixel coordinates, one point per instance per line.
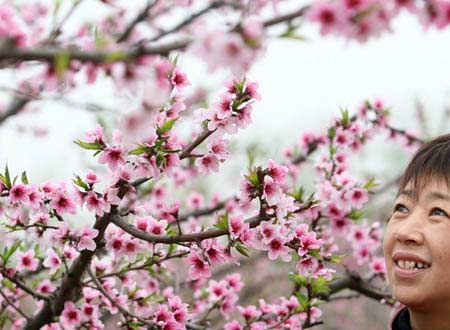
(417, 241)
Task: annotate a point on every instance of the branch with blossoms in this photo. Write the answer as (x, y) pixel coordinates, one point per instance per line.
(129, 258)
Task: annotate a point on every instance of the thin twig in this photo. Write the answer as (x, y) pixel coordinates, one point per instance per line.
(12, 305)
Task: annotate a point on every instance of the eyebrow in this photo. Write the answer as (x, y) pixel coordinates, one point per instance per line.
(430, 196)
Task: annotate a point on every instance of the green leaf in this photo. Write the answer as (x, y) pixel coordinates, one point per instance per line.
(7, 178)
(89, 146)
(242, 249)
(7, 283)
(116, 56)
(370, 184)
(222, 222)
(298, 279)
(345, 120)
(171, 248)
(252, 177)
(332, 149)
(140, 150)
(337, 258)
(293, 34)
(167, 126)
(24, 178)
(302, 300)
(62, 61)
(80, 183)
(9, 252)
(320, 286)
(356, 214)
(331, 133)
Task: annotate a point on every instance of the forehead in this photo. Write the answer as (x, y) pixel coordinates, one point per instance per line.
(430, 189)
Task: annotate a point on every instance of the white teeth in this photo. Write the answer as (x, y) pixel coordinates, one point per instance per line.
(406, 264)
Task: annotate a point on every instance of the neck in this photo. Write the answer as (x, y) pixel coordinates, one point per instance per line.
(436, 319)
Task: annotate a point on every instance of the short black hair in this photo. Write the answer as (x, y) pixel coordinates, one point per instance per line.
(431, 161)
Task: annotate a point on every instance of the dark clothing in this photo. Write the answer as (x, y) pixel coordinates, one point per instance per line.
(401, 320)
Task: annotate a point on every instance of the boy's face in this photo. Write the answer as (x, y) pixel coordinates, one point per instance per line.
(419, 230)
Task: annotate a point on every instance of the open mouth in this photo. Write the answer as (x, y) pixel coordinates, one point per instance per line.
(410, 264)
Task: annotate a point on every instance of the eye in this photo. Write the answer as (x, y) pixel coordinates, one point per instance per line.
(400, 208)
(438, 212)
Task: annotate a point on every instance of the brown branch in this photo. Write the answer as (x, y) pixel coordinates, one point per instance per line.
(165, 239)
(356, 283)
(56, 31)
(286, 17)
(16, 105)
(25, 288)
(12, 305)
(193, 17)
(49, 53)
(127, 314)
(202, 137)
(202, 212)
(142, 15)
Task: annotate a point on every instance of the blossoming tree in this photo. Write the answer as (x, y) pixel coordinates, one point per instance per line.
(148, 259)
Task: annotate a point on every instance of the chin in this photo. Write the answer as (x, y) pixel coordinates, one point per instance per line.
(410, 297)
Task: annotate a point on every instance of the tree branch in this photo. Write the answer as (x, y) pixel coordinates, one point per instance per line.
(17, 309)
(202, 137)
(142, 15)
(124, 311)
(190, 19)
(16, 105)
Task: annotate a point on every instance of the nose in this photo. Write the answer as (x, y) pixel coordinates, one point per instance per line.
(411, 229)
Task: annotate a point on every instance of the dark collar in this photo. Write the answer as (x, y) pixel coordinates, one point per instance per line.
(401, 320)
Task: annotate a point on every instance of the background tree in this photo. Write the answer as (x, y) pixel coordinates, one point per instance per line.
(151, 253)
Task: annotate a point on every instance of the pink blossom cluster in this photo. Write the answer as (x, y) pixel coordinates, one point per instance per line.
(363, 19)
(287, 314)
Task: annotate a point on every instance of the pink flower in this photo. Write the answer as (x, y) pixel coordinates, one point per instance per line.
(378, 265)
(195, 200)
(268, 231)
(19, 194)
(219, 148)
(278, 249)
(233, 325)
(272, 191)
(157, 227)
(113, 157)
(234, 281)
(236, 226)
(179, 79)
(277, 172)
(249, 312)
(95, 202)
(198, 267)
(306, 266)
(86, 241)
(207, 163)
(71, 316)
(326, 14)
(27, 261)
(91, 177)
(357, 197)
(309, 242)
(301, 230)
(62, 202)
(52, 261)
(340, 225)
(95, 135)
(45, 287)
